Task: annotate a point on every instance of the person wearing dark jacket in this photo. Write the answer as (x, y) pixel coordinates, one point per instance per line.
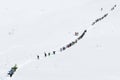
(45, 54)
(80, 37)
(54, 52)
(48, 54)
(38, 57)
(69, 45)
(63, 48)
(76, 41)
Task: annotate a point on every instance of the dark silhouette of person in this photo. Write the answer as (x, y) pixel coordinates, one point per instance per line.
(54, 52)
(38, 57)
(69, 45)
(12, 70)
(93, 23)
(80, 37)
(76, 33)
(113, 7)
(105, 15)
(76, 41)
(63, 48)
(45, 54)
(97, 20)
(48, 54)
(101, 9)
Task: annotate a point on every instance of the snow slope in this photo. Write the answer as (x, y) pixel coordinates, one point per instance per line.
(30, 28)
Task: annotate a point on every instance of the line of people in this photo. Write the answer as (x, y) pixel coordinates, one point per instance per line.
(73, 42)
(76, 34)
(105, 15)
(14, 68)
(113, 7)
(99, 19)
(47, 54)
(64, 47)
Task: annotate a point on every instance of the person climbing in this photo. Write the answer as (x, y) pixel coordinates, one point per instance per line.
(96, 21)
(49, 54)
(38, 57)
(76, 40)
(80, 37)
(69, 45)
(54, 52)
(45, 54)
(73, 42)
(62, 49)
(76, 33)
(101, 9)
(105, 15)
(113, 7)
(12, 70)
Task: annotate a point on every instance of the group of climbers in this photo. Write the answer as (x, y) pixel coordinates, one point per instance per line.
(105, 15)
(113, 7)
(99, 19)
(48, 54)
(73, 42)
(14, 68)
(67, 46)
(81, 36)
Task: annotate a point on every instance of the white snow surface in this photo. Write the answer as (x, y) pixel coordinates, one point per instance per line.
(32, 27)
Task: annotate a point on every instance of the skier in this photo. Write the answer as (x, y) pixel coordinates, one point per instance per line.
(12, 70)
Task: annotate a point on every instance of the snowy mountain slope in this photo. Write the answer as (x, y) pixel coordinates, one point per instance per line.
(27, 31)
